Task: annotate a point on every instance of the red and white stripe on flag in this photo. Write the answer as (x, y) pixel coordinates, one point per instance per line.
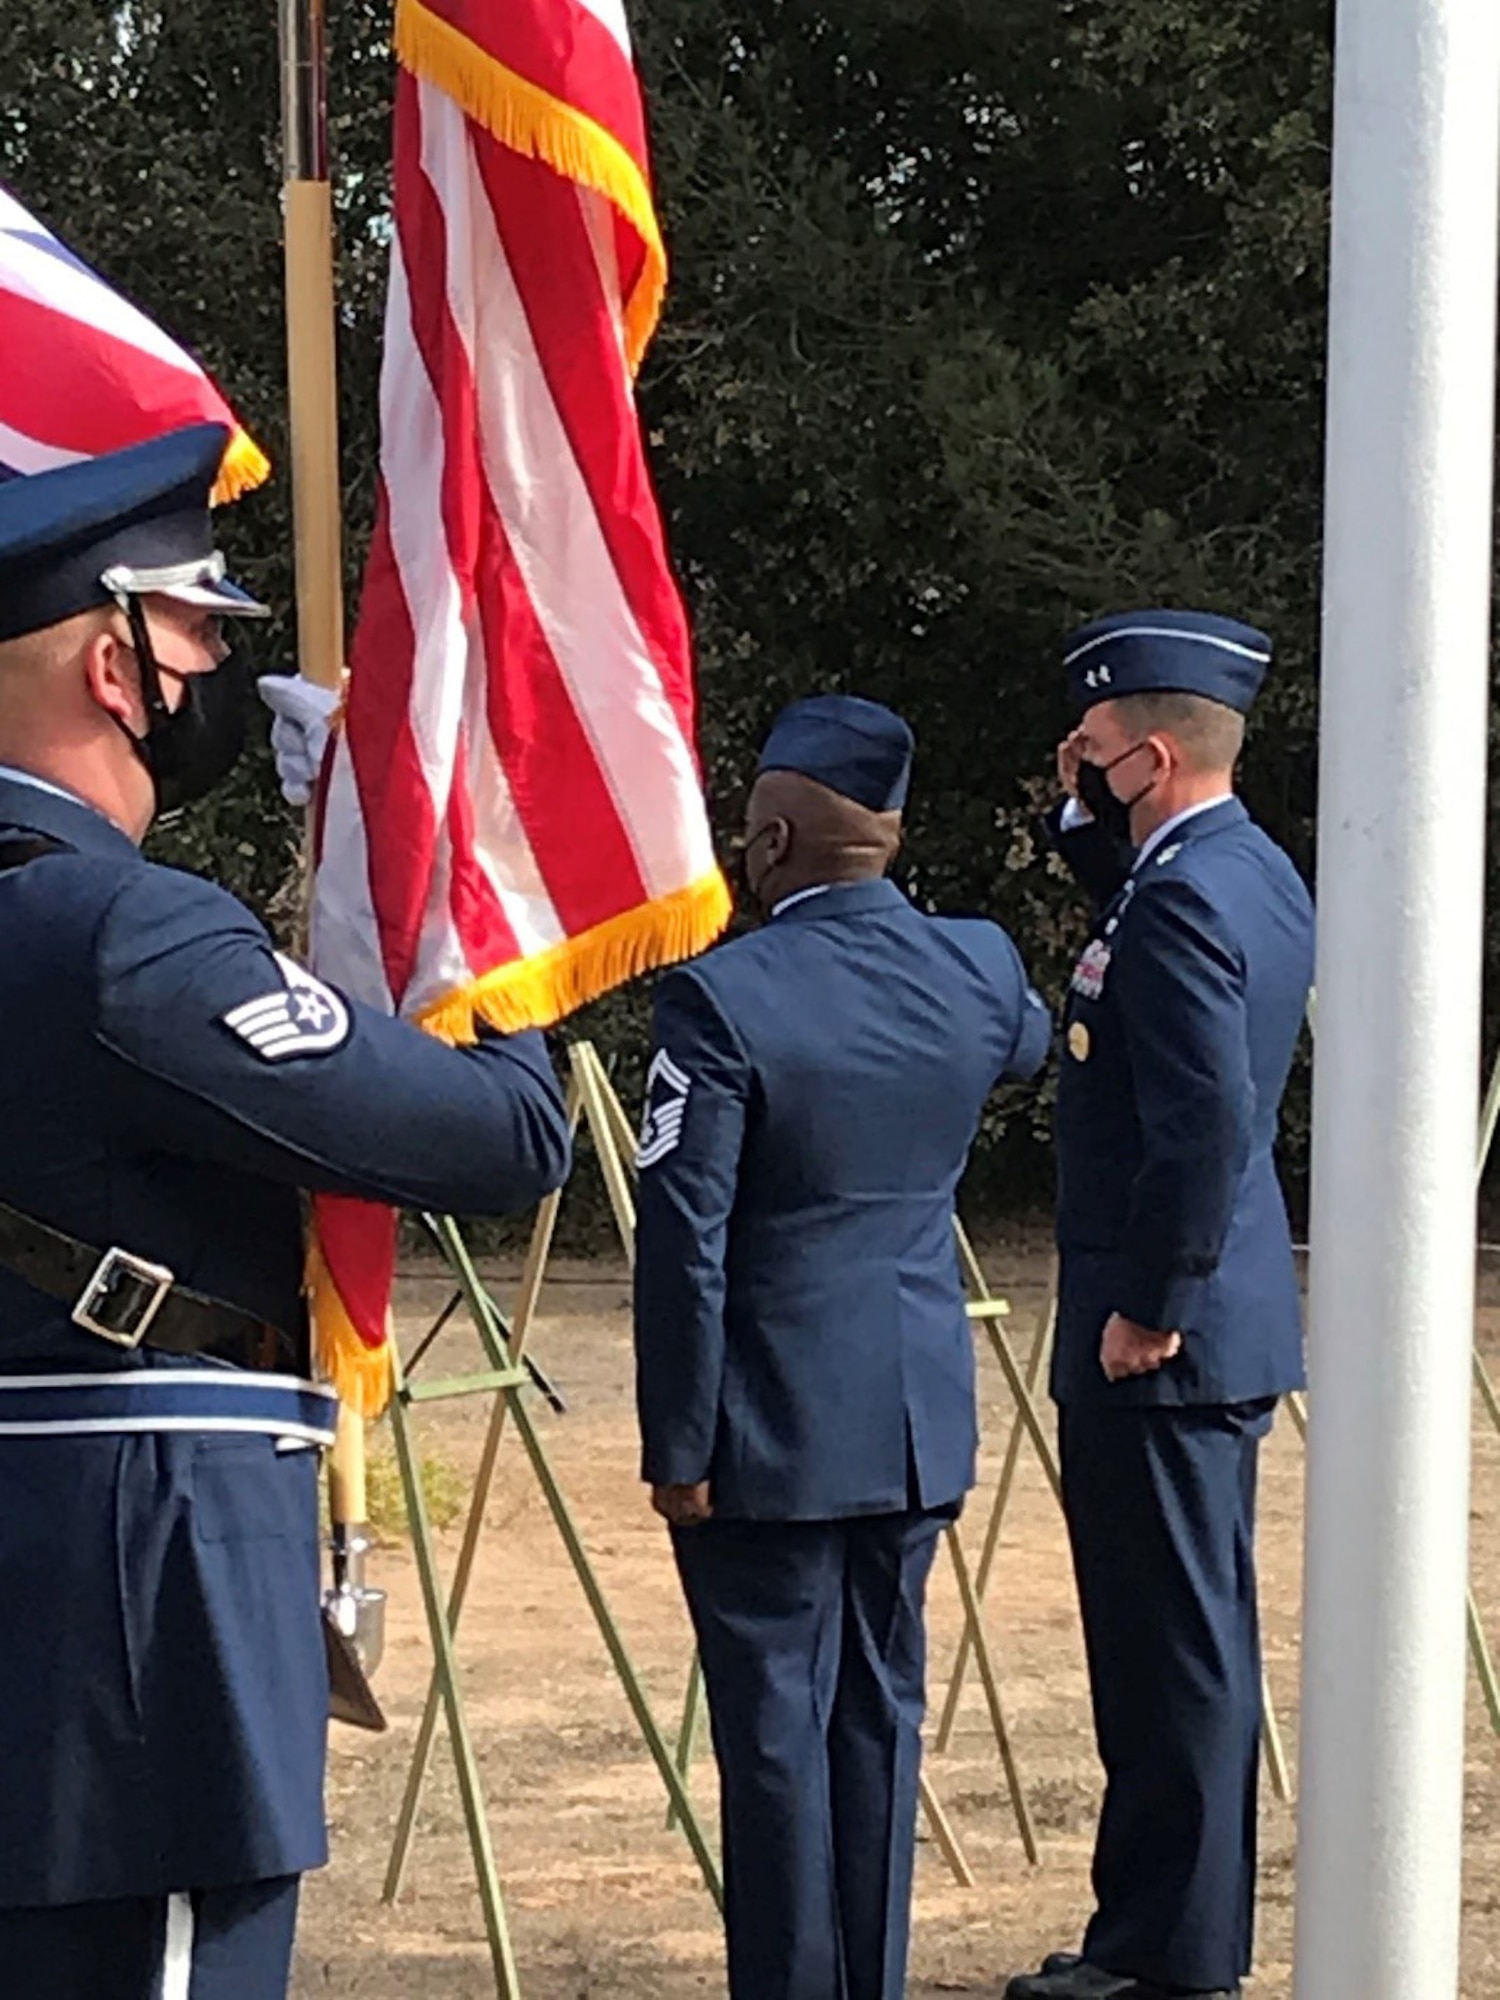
(84, 372)
(512, 817)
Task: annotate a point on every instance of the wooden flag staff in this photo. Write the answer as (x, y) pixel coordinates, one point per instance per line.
(317, 529)
(312, 372)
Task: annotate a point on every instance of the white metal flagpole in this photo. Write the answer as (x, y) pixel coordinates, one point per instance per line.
(1400, 905)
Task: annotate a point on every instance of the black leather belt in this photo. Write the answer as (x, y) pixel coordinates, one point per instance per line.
(125, 1299)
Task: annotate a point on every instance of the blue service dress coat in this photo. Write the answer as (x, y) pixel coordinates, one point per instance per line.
(167, 1085)
(801, 1339)
(1181, 1022)
(1182, 1018)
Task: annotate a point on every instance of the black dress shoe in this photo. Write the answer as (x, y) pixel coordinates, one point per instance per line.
(1066, 1976)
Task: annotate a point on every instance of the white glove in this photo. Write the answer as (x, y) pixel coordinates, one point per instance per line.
(299, 733)
(1074, 812)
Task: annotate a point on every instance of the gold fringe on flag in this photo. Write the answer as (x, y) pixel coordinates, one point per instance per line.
(529, 993)
(535, 992)
(361, 1375)
(245, 466)
(529, 120)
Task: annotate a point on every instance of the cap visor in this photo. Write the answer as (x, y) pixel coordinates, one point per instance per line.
(221, 596)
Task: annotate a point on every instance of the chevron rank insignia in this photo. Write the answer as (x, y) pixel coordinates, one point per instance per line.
(302, 1018)
(667, 1091)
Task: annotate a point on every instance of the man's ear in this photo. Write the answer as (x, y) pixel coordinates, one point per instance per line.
(113, 678)
(1166, 751)
(778, 841)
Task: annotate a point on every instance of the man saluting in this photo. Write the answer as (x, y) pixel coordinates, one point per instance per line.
(1179, 1321)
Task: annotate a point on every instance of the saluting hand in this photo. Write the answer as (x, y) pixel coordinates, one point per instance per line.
(1128, 1349)
(1069, 757)
(683, 1506)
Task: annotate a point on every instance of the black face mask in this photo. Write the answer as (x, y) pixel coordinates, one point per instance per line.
(192, 748)
(197, 745)
(1096, 798)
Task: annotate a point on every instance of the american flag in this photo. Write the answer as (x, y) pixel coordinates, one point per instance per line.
(82, 371)
(512, 818)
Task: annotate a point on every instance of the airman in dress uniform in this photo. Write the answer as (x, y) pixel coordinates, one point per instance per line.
(1179, 1318)
(805, 1367)
(168, 1082)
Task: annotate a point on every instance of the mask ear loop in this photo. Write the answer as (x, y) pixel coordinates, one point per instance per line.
(1129, 751)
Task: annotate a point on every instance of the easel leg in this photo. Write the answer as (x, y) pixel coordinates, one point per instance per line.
(1026, 1407)
(973, 1620)
(615, 1138)
(492, 1332)
(1035, 1362)
(943, 1834)
(967, 1256)
(1486, 1389)
(531, 1284)
(687, 1735)
(1489, 1118)
(1022, 1391)
(1479, 1647)
(1021, 1388)
(1277, 1768)
(622, 1131)
(598, 1093)
(470, 1787)
(1484, 1665)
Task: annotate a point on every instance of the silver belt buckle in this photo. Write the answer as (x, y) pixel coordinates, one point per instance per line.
(147, 1286)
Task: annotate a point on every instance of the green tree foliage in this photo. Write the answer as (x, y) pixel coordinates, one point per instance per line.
(1020, 320)
(986, 316)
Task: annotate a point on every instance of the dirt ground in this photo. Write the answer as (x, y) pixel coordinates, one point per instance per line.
(603, 1900)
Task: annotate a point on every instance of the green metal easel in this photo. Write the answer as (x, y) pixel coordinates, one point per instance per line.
(509, 1380)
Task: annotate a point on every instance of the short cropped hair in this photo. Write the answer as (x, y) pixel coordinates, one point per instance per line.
(1209, 734)
(54, 646)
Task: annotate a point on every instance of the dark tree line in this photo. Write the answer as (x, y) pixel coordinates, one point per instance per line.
(986, 316)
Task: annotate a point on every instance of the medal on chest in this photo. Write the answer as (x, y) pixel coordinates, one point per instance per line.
(1088, 974)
